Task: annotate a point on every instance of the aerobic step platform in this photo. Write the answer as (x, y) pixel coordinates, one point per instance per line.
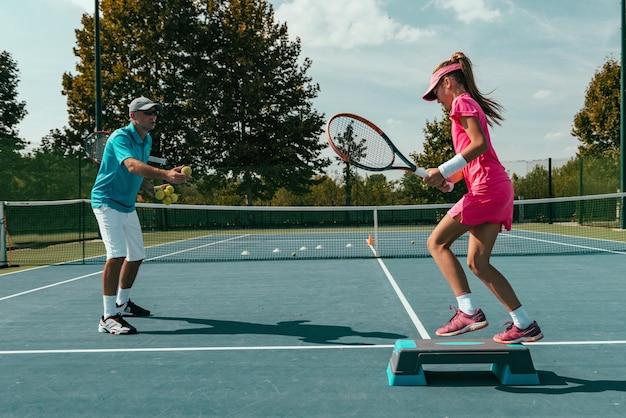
(511, 363)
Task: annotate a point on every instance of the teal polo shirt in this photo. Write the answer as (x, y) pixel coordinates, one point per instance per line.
(115, 186)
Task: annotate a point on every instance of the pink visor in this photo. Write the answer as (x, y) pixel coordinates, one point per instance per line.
(434, 80)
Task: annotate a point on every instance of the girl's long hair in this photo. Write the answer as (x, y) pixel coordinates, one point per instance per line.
(465, 76)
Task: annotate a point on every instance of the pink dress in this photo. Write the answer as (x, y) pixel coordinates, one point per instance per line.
(490, 193)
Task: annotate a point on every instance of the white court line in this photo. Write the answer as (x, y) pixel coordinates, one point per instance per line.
(614, 342)
(265, 348)
(210, 244)
(100, 272)
(563, 244)
(49, 286)
(186, 349)
(407, 306)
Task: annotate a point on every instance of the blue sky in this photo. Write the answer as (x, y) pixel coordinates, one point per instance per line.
(375, 57)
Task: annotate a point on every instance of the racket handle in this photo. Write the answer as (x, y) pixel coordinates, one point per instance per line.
(421, 171)
(157, 160)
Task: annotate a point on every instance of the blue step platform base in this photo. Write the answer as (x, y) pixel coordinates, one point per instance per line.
(511, 363)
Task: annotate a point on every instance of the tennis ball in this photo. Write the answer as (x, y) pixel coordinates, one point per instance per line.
(412, 242)
(167, 200)
(293, 254)
(170, 188)
(166, 193)
(174, 197)
(159, 194)
(186, 170)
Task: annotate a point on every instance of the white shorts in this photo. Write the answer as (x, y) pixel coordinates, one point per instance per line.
(121, 233)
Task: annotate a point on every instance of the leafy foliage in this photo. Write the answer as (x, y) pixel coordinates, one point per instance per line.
(238, 102)
(12, 112)
(597, 124)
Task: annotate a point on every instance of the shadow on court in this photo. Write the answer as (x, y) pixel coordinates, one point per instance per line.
(307, 332)
(567, 385)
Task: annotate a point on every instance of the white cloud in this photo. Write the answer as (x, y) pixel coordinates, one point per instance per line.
(393, 122)
(468, 11)
(344, 24)
(542, 94)
(553, 136)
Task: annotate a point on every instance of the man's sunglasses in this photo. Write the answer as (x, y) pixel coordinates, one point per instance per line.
(150, 112)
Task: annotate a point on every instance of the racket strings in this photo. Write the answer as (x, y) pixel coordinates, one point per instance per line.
(361, 143)
(94, 145)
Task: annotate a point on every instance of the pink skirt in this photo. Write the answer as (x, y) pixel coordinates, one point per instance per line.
(494, 206)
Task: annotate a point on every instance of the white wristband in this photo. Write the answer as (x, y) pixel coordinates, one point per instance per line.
(451, 166)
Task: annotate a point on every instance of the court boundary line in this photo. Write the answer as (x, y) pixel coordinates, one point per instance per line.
(563, 244)
(189, 349)
(96, 272)
(421, 329)
(268, 348)
(210, 244)
(49, 286)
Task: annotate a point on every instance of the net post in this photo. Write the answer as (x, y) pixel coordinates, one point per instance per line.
(622, 160)
(3, 242)
(550, 220)
(376, 253)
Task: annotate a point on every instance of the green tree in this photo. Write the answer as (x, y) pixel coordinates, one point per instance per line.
(326, 192)
(597, 124)
(147, 48)
(12, 112)
(237, 101)
(377, 191)
(532, 186)
(411, 190)
(266, 132)
(566, 179)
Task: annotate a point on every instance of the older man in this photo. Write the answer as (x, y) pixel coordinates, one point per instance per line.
(122, 172)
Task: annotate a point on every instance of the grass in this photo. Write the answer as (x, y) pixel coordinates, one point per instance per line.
(604, 232)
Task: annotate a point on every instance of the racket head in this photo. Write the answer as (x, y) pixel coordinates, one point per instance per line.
(361, 143)
(94, 145)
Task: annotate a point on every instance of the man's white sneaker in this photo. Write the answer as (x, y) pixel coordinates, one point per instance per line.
(116, 325)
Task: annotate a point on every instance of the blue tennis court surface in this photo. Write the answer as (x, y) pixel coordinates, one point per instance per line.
(304, 338)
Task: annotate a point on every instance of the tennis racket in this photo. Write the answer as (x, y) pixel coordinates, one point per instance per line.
(361, 143)
(95, 143)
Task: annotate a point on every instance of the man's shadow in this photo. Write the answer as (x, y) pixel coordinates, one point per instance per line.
(307, 332)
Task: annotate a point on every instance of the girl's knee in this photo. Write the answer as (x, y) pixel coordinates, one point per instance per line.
(478, 265)
(434, 245)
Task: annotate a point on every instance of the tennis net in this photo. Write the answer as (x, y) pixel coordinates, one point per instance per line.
(41, 233)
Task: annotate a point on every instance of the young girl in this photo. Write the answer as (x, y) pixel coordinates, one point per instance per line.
(487, 206)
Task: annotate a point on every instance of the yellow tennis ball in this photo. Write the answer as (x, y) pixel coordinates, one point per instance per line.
(167, 200)
(159, 194)
(170, 188)
(166, 193)
(186, 170)
(174, 197)
(293, 254)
